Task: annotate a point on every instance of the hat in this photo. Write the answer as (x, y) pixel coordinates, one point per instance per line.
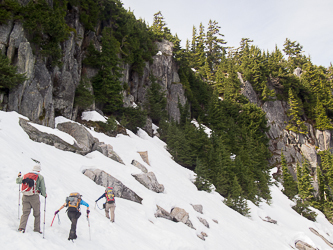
(36, 168)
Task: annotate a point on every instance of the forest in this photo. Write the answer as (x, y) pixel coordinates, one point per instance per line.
(234, 159)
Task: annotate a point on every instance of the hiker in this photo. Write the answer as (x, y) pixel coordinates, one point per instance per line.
(110, 202)
(73, 203)
(32, 185)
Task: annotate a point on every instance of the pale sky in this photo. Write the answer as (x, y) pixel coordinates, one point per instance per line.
(267, 22)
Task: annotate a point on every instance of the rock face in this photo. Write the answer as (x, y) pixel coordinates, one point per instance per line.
(292, 145)
(50, 90)
(104, 179)
(149, 181)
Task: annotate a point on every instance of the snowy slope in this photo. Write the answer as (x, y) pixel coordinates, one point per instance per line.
(135, 226)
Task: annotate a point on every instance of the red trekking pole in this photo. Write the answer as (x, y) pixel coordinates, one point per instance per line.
(53, 219)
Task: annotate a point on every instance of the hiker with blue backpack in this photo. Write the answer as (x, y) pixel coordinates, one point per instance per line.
(32, 184)
(73, 203)
(110, 204)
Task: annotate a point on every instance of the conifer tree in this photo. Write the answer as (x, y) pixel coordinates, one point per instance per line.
(235, 199)
(214, 45)
(200, 54)
(304, 181)
(158, 25)
(290, 186)
(295, 124)
(322, 121)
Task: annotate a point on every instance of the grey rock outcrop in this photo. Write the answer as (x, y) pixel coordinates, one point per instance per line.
(104, 179)
(301, 245)
(177, 215)
(294, 146)
(198, 208)
(204, 222)
(162, 213)
(82, 136)
(107, 150)
(49, 139)
(180, 215)
(139, 166)
(149, 181)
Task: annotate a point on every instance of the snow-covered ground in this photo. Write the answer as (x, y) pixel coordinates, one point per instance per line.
(135, 225)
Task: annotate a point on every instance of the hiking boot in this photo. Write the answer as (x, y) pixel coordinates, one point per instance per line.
(21, 230)
(38, 232)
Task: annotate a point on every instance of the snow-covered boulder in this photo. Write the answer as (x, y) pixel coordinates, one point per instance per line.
(180, 215)
(149, 181)
(139, 166)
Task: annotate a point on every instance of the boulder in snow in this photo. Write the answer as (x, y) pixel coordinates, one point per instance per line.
(84, 139)
(301, 245)
(144, 156)
(149, 181)
(160, 212)
(139, 166)
(180, 215)
(198, 208)
(203, 221)
(49, 139)
(107, 150)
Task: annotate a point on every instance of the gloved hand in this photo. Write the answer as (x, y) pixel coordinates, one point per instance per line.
(56, 212)
(88, 211)
(19, 174)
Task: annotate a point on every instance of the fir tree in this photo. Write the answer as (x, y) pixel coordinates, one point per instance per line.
(290, 186)
(304, 182)
(295, 124)
(235, 199)
(322, 121)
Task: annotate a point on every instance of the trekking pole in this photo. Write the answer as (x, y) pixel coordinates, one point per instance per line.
(19, 199)
(44, 218)
(53, 219)
(89, 226)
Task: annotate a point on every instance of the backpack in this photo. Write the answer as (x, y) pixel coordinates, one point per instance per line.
(73, 202)
(29, 184)
(109, 194)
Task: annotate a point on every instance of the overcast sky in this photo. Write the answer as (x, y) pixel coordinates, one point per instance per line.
(267, 22)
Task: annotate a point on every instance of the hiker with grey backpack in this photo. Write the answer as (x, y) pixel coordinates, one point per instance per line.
(73, 203)
(110, 204)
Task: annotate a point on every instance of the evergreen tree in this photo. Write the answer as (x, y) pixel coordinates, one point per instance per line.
(304, 182)
(290, 186)
(295, 124)
(214, 45)
(158, 25)
(322, 121)
(156, 101)
(235, 199)
(9, 77)
(106, 84)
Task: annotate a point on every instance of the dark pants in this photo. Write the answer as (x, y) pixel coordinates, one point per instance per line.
(73, 216)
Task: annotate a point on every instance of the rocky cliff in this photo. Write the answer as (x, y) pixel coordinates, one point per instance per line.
(294, 146)
(49, 90)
